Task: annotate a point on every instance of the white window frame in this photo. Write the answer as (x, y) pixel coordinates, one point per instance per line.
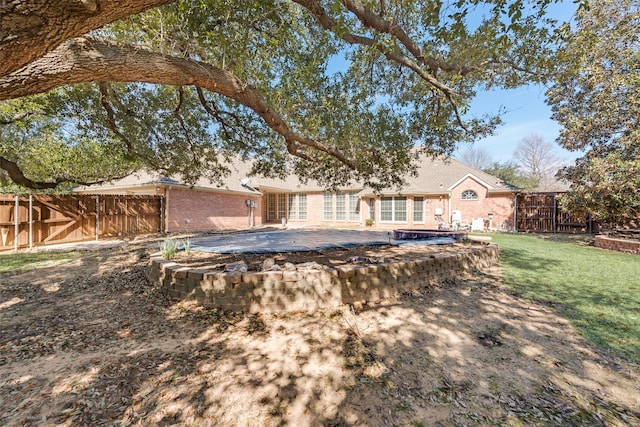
(469, 195)
(396, 203)
(272, 208)
(418, 202)
(342, 206)
(302, 206)
(327, 209)
(354, 207)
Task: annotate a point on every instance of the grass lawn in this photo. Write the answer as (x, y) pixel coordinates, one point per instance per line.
(19, 261)
(598, 290)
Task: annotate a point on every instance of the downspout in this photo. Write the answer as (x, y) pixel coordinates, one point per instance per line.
(166, 207)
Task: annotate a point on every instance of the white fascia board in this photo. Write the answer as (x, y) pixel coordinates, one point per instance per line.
(475, 178)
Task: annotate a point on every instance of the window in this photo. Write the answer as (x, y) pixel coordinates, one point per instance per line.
(469, 195)
(393, 209)
(291, 213)
(341, 206)
(386, 209)
(354, 207)
(297, 208)
(271, 206)
(328, 207)
(372, 208)
(282, 205)
(418, 209)
(302, 207)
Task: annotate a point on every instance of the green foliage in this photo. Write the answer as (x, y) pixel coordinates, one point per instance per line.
(596, 99)
(370, 108)
(598, 290)
(169, 248)
(510, 173)
(57, 136)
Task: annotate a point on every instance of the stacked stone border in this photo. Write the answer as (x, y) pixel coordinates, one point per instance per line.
(278, 291)
(620, 245)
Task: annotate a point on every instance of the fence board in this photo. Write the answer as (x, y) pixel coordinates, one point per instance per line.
(69, 218)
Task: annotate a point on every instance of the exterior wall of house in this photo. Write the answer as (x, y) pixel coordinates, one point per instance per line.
(500, 205)
(197, 210)
(428, 203)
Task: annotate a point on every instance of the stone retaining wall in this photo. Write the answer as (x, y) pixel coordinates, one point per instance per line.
(273, 291)
(621, 245)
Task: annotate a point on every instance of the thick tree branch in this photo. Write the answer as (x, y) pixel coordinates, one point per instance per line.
(31, 28)
(329, 24)
(15, 173)
(87, 60)
(15, 118)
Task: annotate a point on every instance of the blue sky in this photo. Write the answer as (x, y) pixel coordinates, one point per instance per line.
(526, 113)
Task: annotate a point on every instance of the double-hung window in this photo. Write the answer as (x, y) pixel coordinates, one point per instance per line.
(418, 209)
(393, 209)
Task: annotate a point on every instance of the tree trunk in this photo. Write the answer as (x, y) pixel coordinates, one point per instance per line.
(31, 28)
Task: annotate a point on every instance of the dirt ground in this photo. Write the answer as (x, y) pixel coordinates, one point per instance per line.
(92, 342)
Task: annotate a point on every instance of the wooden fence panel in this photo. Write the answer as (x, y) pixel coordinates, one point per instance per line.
(541, 213)
(50, 219)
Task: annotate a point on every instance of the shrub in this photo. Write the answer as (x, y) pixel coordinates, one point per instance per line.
(169, 248)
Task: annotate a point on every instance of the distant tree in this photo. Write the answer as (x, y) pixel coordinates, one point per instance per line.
(510, 173)
(596, 99)
(476, 157)
(538, 160)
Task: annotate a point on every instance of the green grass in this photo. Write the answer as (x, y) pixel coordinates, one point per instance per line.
(21, 261)
(598, 290)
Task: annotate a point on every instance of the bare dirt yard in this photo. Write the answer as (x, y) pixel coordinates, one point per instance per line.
(92, 342)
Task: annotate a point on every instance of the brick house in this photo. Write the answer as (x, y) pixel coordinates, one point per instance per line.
(445, 192)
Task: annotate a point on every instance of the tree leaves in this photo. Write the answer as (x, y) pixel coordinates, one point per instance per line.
(596, 98)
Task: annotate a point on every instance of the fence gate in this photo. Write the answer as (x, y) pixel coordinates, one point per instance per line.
(27, 221)
(540, 213)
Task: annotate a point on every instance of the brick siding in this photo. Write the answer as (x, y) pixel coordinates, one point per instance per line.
(197, 210)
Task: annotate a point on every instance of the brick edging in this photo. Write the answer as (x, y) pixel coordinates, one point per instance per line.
(620, 245)
(273, 291)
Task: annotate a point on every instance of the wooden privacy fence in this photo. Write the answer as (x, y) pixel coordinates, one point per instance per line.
(27, 221)
(540, 213)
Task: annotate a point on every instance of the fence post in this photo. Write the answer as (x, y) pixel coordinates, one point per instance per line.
(30, 221)
(16, 223)
(161, 214)
(555, 214)
(97, 217)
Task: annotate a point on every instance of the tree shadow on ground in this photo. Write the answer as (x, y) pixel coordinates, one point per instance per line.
(462, 353)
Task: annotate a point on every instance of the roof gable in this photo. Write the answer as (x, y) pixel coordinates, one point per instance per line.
(472, 176)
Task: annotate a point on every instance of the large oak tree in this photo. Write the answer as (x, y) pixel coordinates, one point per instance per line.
(331, 90)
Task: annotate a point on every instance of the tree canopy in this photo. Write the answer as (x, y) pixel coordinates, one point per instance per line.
(596, 98)
(336, 91)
